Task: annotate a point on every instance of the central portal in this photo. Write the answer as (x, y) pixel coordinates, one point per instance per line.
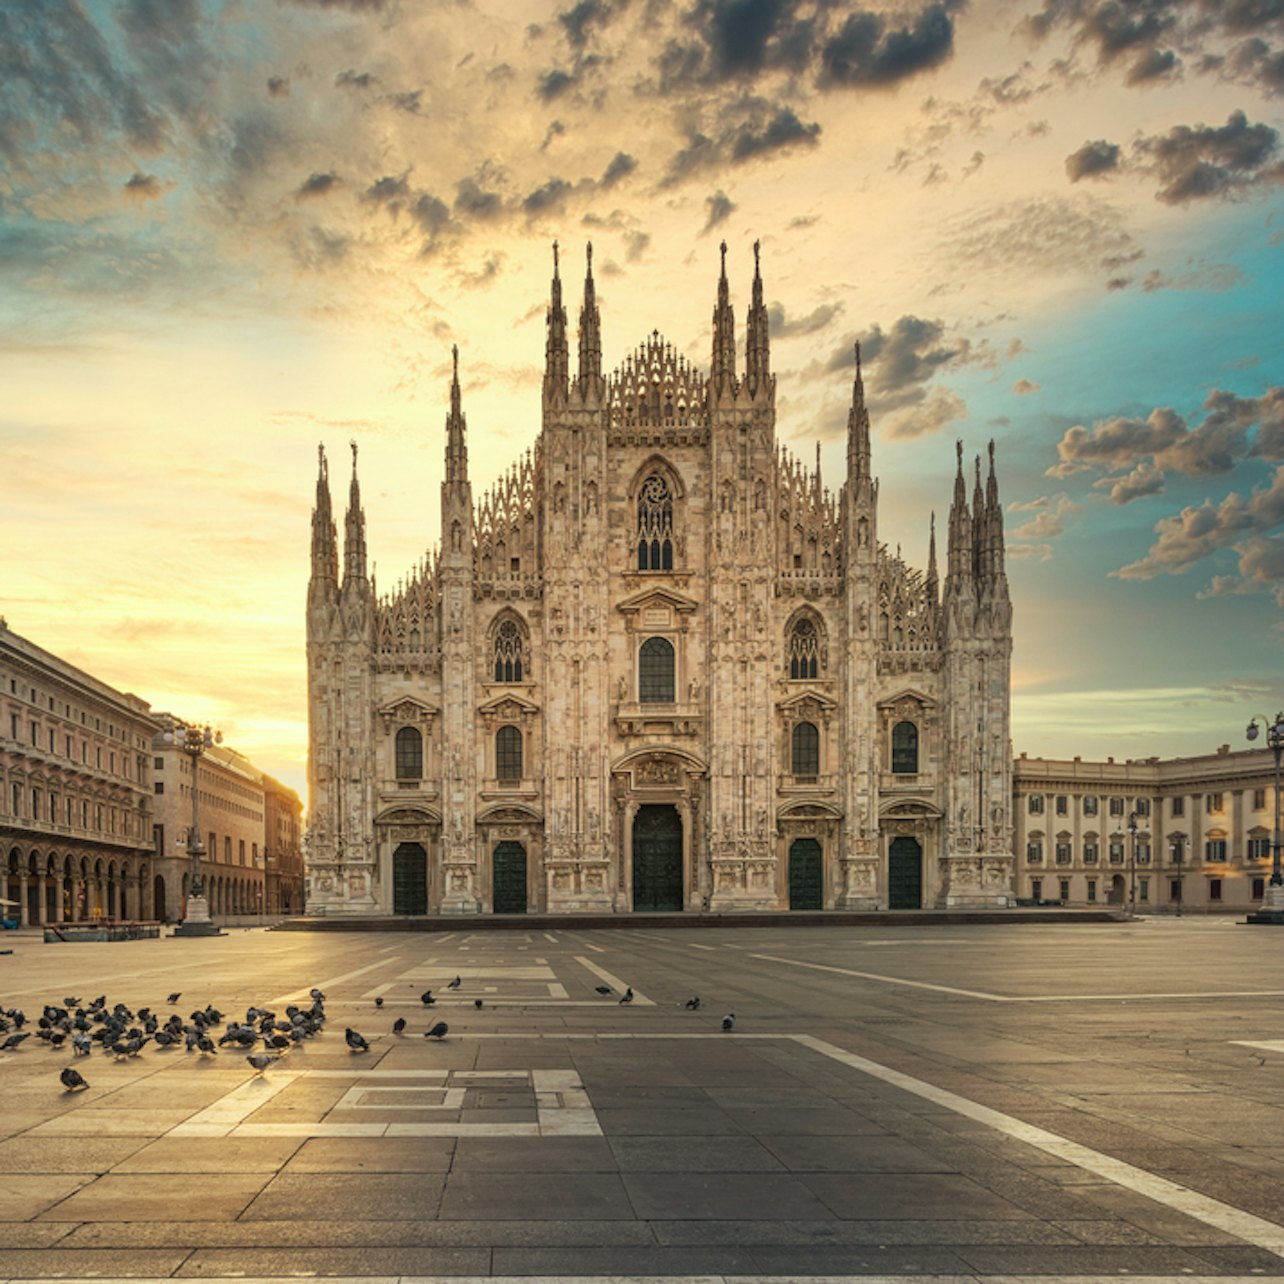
(657, 858)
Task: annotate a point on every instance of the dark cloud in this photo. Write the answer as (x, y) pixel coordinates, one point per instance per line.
(317, 185)
(353, 6)
(720, 208)
(548, 196)
(477, 202)
(553, 84)
(356, 79)
(784, 129)
(143, 186)
(579, 21)
(1154, 64)
(865, 51)
(410, 100)
(555, 130)
(278, 86)
(621, 166)
(431, 214)
(1202, 162)
(782, 326)
(388, 189)
(1092, 160)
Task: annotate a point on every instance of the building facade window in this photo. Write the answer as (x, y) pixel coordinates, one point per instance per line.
(804, 651)
(1259, 888)
(1141, 806)
(1259, 799)
(1062, 805)
(655, 671)
(1143, 853)
(1036, 804)
(1063, 851)
(905, 749)
(806, 749)
(1034, 852)
(1143, 889)
(1116, 806)
(409, 754)
(1258, 848)
(508, 754)
(1214, 889)
(1215, 849)
(1090, 852)
(655, 525)
(1213, 803)
(508, 652)
(1036, 889)
(1116, 853)
(1063, 888)
(1092, 891)
(158, 787)
(1090, 805)
(1178, 807)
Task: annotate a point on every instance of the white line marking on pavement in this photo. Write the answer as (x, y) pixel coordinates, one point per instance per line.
(548, 936)
(325, 985)
(1020, 998)
(603, 975)
(597, 949)
(378, 990)
(694, 946)
(1267, 1045)
(219, 1119)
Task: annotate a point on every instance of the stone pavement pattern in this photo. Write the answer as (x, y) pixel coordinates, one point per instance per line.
(951, 1102)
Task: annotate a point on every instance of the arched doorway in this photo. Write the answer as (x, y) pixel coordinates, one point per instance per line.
(160, 910)
(657, 858)
(806, 882)
(1117, 893)
(410, 879)
(508, 879)
(905, 874)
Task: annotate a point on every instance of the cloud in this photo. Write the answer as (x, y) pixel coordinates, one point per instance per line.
(1201, 162)
(278, 86)
(1041, 552)
(1044, 525)
(784, 129)
(1144, 480)
(720, 207)
(547, 196)
(355, 80)
(145, 187)
(864, 51)
(1024, 387)
(1154, 64)
(317, 185)
(1092, 160)
(783, 327)
(553, 83)
(621, 166)
(477, 202)
(1197, 533)
(353, 6)
(388, 190)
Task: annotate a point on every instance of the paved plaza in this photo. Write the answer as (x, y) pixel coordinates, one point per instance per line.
(953, 1102)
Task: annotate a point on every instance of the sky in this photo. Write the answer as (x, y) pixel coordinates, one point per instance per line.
(232, 230)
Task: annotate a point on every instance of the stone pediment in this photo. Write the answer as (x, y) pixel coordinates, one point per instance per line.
(809, 811)
(810, 701)
(657, 597)
(508, 704)
(409, 816)
(907, 696)
(909, 809)
(509, 814)
(407, 709)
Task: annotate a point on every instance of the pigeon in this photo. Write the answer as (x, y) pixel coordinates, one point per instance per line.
(260, 1060)
(206, 1044)
(80, 1044)
(438, 1031)
(72, 1003)
(316, 995)
(174, 998)
(426, 999)
(399, 1025)
(455, 984)
(14, 1040)
(627, 996)
(379, 1001)
(692, 1003)
(277, 1041)
(604, 989)
(477, 1003)
(356, 1041)
(72, 1079)
(729, 1021)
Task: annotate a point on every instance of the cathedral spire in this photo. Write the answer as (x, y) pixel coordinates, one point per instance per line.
(959, 570)
(722, 375)
(325, 541)
(757, 339)
(931, 582)
(858, 462)
(354, 533)
(978, 525)
(590, 336)
(556, 355)
(456, 426)
(994, 527)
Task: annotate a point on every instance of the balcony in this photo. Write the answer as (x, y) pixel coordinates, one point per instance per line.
(635, 719)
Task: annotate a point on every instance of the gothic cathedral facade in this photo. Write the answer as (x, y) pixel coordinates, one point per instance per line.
(659, 667)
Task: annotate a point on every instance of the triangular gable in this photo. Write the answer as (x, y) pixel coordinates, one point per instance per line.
(508, 704)
(908, 693)
(658, 596)
(408, 707)
(811, 697)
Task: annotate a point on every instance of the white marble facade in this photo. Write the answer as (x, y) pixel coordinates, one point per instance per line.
(659, 666)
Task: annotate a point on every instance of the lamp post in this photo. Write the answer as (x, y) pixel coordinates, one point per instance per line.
(194, 741)
(1132, 863)
(1178, 845)
(1272, 910)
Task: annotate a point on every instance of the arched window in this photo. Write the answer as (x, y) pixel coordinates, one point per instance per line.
(508, 754)
(410, 754)
(904, 748)
(655, 672)
(655, 525)
(508, 652)
(804, 650)
(806, 749)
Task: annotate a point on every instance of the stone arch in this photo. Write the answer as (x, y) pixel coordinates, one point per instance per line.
(508, 649)
(797, 623)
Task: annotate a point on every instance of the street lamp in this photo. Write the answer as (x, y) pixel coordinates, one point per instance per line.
(1272, 910)
(194, 741)
(1178, 845)
(1133, 830)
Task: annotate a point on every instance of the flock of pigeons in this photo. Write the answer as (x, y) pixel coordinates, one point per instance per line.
(122, 1033)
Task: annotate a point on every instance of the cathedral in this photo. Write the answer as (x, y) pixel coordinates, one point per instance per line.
(659, 666)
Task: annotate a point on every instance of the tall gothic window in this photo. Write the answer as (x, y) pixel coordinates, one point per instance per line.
(806, 749)
(655, 525)
(508, 652)
(508, 754)
(655, 672)
(804, 649)
(410, 754)
(904, 748)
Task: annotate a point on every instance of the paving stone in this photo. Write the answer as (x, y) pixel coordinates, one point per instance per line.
(572, 1196)
(869, 1154)
(1091, 1261)
(61, 1263)
(722, 1196)
(897, 1195)
(27, 1195)
(693, 1155)
(154, 1196)
(355, 1263)
(373, 1155)
(382, 1197)
(65, 1154)
(211, 1155)
(667, 1123)
(859, 1260)
(628, 1262)
(534, 1155)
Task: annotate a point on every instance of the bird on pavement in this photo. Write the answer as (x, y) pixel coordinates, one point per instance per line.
(477, 1003)
(604, 989)
(260, 1060)
(399, 1025)
(455, 984)
(426, 999)
(316, 995)
(692, 1003)
(438, 1031)
(627, 996)
(14, 1040)
(174, 998)
(378, 1000)
(72, 1079)
(356, 1041)
(729, 1021)
(72, 1003)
